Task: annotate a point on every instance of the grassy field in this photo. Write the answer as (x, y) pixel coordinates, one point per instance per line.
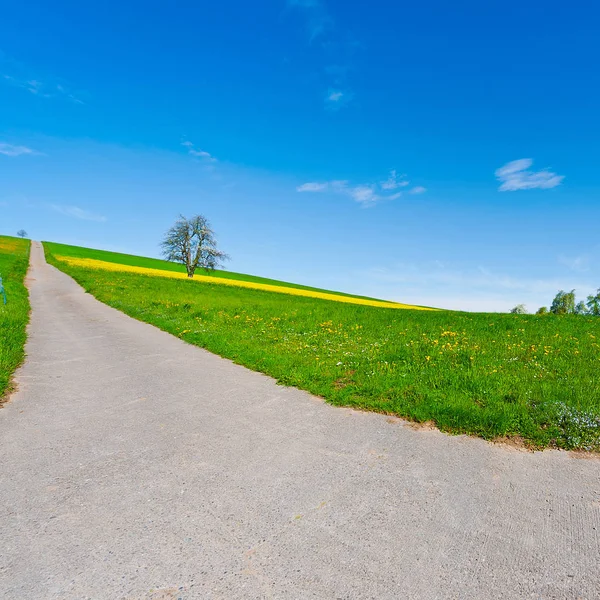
(536, 379)
(14, 255)
(207, 278)
(155, 263)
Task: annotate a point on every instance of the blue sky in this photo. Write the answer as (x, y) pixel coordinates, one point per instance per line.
(438, 153)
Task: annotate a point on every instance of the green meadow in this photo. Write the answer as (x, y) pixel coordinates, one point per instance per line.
(156, 263)
(14, 257)
(533, 379)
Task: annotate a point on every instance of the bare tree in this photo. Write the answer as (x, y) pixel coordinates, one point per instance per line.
(192, 243)
(22, 233)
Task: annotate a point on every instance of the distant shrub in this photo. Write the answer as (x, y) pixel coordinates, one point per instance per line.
(519, 309)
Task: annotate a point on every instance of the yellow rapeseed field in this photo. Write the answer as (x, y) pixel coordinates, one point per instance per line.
(10, 245)
(90, 263)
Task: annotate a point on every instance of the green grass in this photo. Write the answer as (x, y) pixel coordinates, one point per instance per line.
(14, 256)
(156, 263)
(492, 375)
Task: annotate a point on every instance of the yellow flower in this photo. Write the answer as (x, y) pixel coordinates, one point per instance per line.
(91, 263)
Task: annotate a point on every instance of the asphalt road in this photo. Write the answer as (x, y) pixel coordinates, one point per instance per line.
(133, 465)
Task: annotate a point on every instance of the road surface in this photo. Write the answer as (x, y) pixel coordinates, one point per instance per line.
(135, 466)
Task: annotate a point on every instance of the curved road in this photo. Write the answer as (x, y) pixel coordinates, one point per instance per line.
(135, 466)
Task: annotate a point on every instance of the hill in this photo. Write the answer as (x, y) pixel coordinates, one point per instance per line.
(527, 377)
(155, 265)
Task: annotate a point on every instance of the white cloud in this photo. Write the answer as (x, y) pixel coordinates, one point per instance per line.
(418, 189)
(11, 150)
(516, 175)
(312, 186)
(43, 89)
(197, 153)
(77, 213)
(336, 185)
(201, 154)
(578, 263)
(366, 194)
(336, 99)
(394, 181)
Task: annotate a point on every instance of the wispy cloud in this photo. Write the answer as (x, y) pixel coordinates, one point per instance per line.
(318, 20)
(337, 48)
(366, 194)
(17, 75)
(579, 264)
(336, 99)
(12, 150)
(77, 213)
(394, 181)
(43, 89)
(516, 175)
(312, 187)
(418, 189)
(197, 153)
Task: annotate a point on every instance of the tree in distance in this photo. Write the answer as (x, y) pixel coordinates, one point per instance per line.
(192, 243)
(22, 233)
(519, 309)
(593, 304)
(563, 303)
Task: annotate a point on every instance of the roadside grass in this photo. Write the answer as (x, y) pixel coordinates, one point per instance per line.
(14, 259)
(536, 379)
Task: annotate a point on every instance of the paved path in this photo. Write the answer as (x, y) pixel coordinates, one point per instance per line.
(136, 466)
